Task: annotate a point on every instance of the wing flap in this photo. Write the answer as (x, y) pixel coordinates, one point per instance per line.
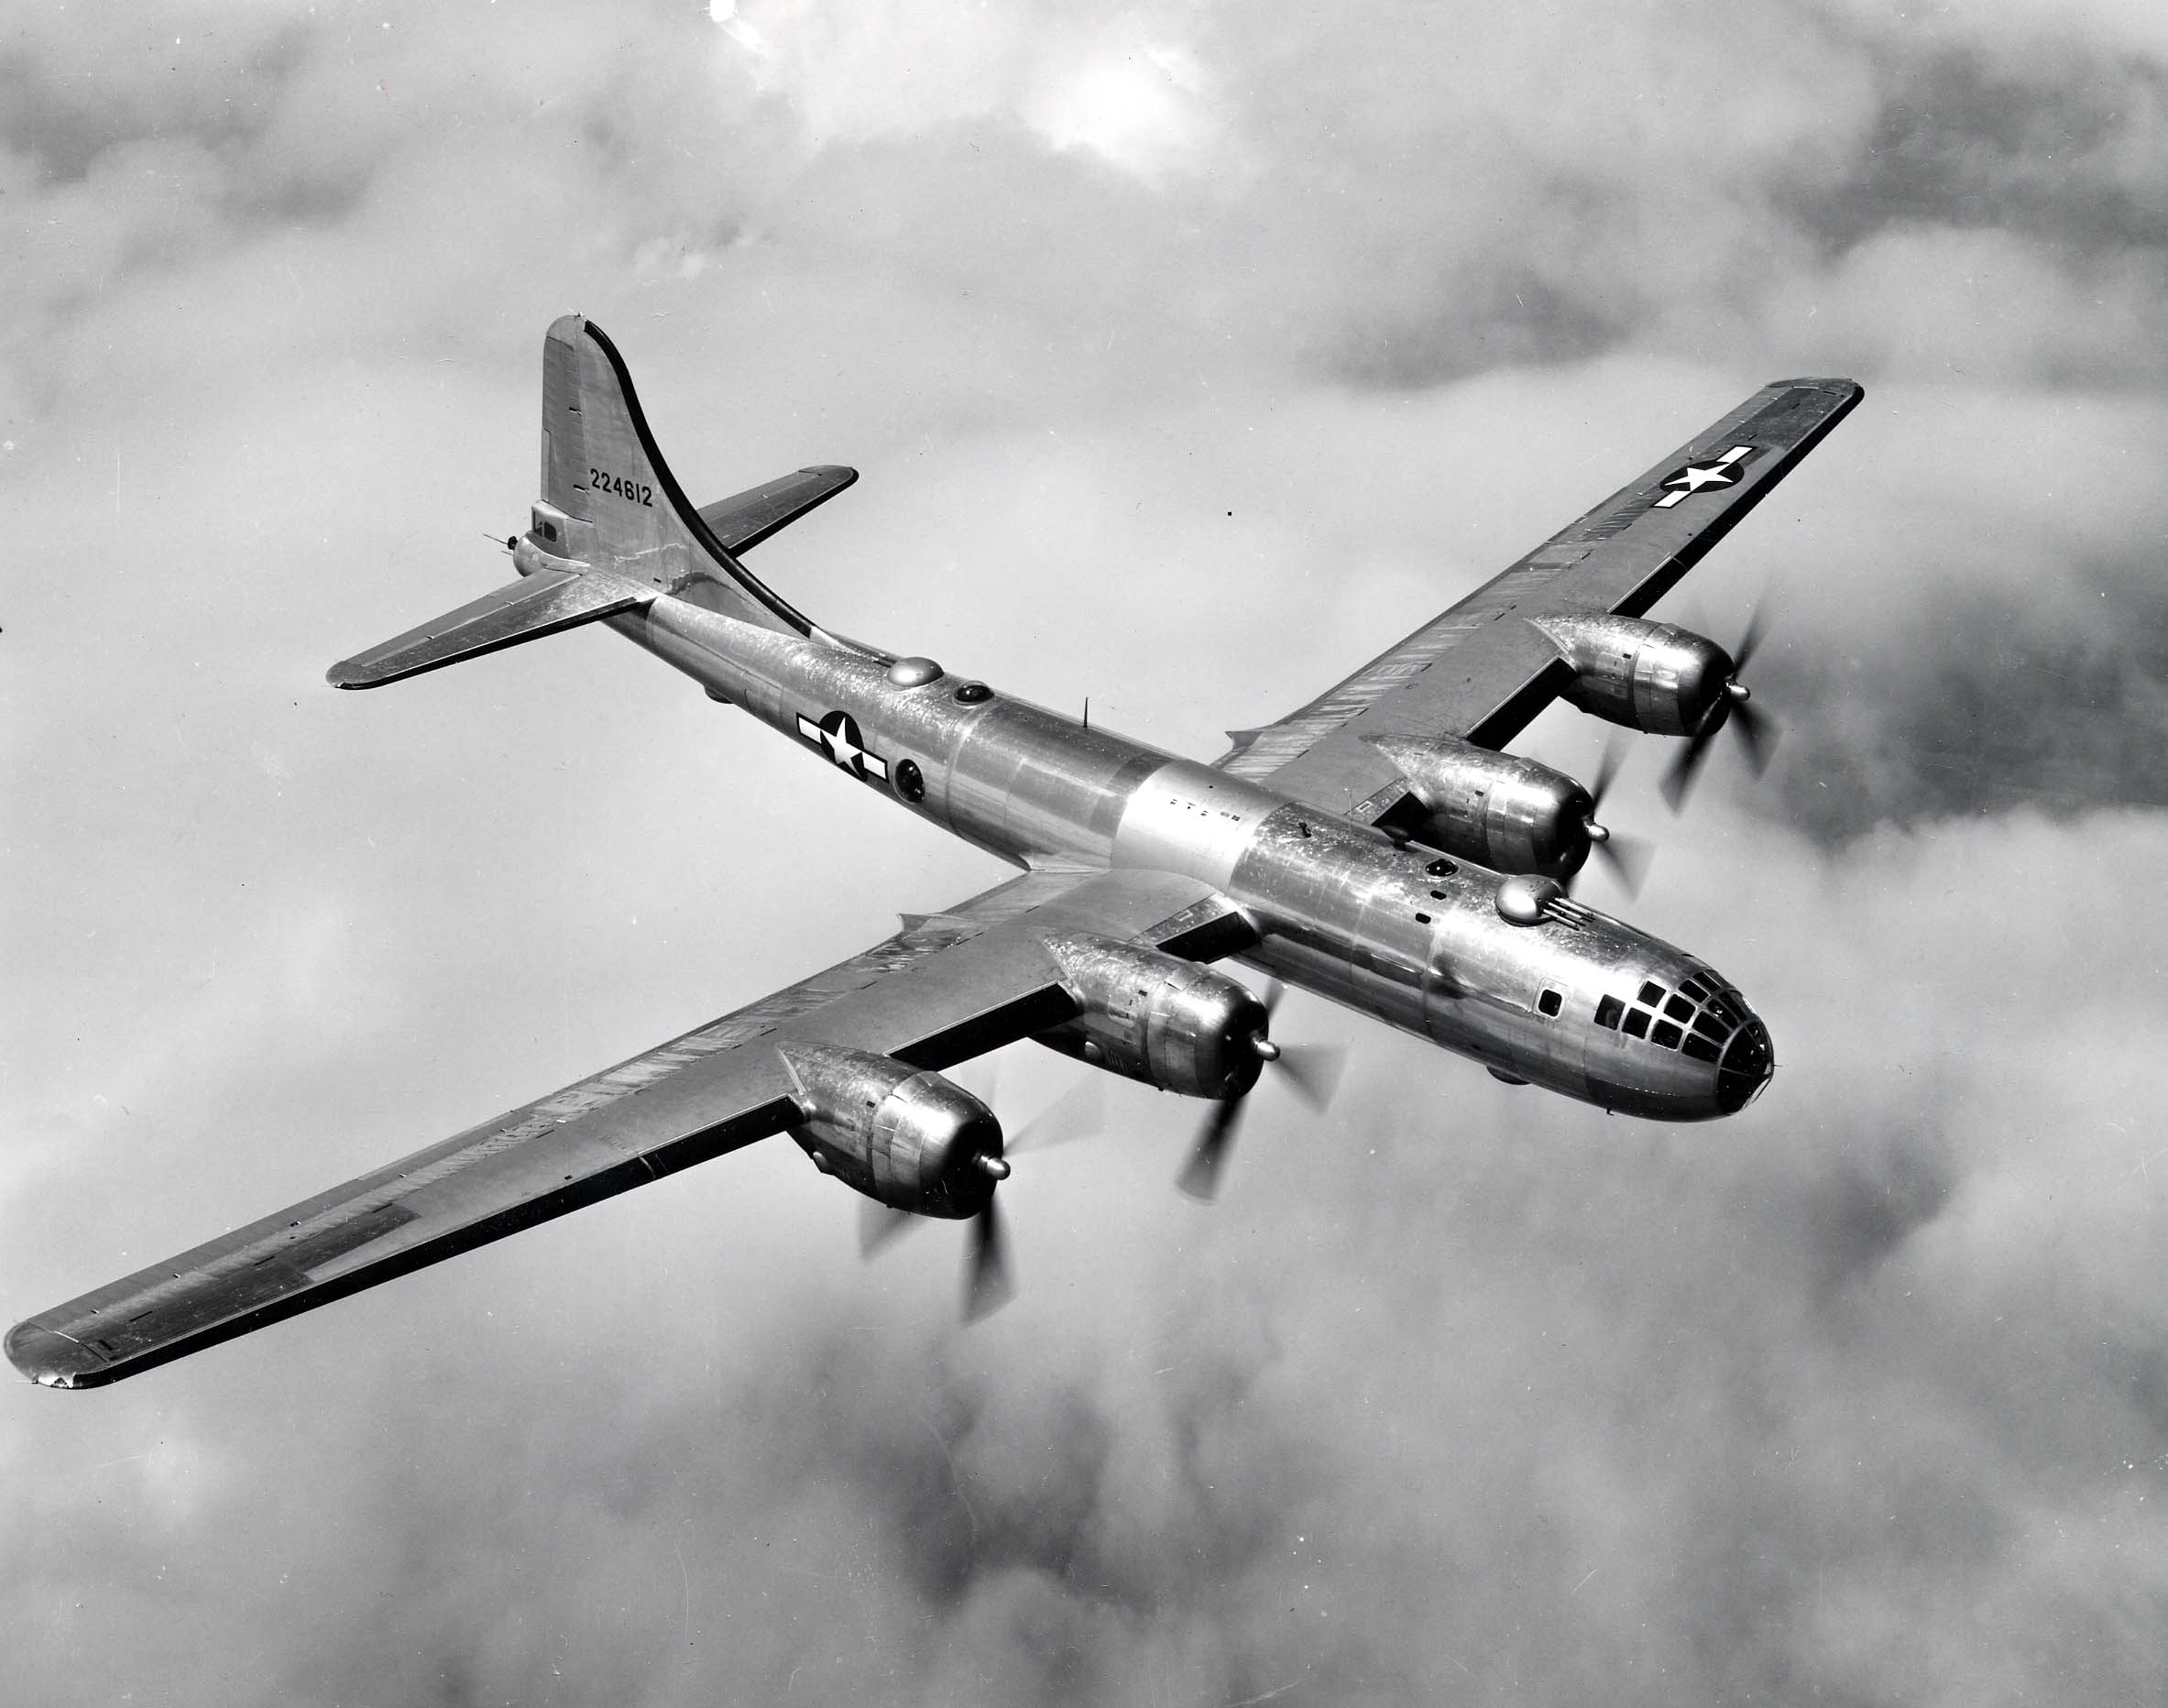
(962, 982)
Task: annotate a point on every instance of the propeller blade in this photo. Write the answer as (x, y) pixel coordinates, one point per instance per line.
(1606, 771)
(1679, 778)
(1756, 629)
(1079, 1113)
(1312, 1070)
(1629, 859)
(1627, 856)
(879, 1224)
(987, 1285)
(1200, 1175)
(1757, 734)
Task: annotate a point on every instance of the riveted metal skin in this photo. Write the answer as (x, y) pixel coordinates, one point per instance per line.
(1154, 1017)
(1652, 676)
(1502, 811)
(1338, 908)
(912, 1139)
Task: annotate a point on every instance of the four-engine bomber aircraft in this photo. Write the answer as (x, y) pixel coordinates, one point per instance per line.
(1375, 847)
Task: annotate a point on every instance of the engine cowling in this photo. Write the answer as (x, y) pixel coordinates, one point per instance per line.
(902, 1134)
(1509, 814)
(1158, 1018)
(1652, 676)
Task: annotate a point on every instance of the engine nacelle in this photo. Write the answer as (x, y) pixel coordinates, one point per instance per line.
(902, 1134)
(1511, 815)
(1158, 1018)
(1654, 676)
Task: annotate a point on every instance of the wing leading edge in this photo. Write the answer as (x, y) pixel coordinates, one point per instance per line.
(1479, 671)
(947, 987)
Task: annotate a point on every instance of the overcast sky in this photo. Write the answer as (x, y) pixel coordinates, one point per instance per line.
(1191, 353)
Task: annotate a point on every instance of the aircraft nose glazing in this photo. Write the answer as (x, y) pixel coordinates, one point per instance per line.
(1749, 1062)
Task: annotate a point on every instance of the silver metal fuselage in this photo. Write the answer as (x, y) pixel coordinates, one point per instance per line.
(1393, 930)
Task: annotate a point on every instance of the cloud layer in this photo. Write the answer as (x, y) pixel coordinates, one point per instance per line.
(1189, 353)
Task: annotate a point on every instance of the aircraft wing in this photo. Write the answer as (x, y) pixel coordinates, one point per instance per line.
(948, 986)
(1479, 671)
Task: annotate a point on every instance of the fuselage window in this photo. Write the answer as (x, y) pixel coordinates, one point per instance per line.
(1608, 1011)
(1422, 919)
(1679, 1008)
(1636, 1024)
(1440, 869)
(1651, 994)
(1550, 1001)
(1666, 1034)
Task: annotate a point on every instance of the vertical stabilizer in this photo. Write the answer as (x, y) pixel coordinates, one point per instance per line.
(609, 502)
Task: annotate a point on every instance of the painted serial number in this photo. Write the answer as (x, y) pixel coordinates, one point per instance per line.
(604, 482)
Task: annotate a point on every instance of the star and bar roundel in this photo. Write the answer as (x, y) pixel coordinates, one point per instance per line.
(1719, 472)
(838, 736)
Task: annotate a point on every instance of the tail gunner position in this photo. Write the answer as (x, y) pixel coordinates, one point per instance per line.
(1375, 846)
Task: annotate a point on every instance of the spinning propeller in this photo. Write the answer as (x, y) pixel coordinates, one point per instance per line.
(1627, 856)
(987, 1284)
(1310, 1069)
(1758, 731)
(1077, 1113)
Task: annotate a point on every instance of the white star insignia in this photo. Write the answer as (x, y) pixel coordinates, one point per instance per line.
(836, 736)
(1722, 472)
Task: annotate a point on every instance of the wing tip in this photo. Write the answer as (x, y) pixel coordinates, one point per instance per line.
(1838, 383)
(51, 1359)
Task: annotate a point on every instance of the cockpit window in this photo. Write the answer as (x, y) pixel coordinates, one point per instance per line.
(1679, 1008)
(1693, 987)
(1550, 1001)
(1608, 1011)
(1701, 1049)
(1666, 1034)
(1636, 1024)
(1709, 1026)
(1652, 994)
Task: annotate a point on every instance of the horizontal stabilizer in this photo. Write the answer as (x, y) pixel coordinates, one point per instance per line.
(540, 604)
(745, 519)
